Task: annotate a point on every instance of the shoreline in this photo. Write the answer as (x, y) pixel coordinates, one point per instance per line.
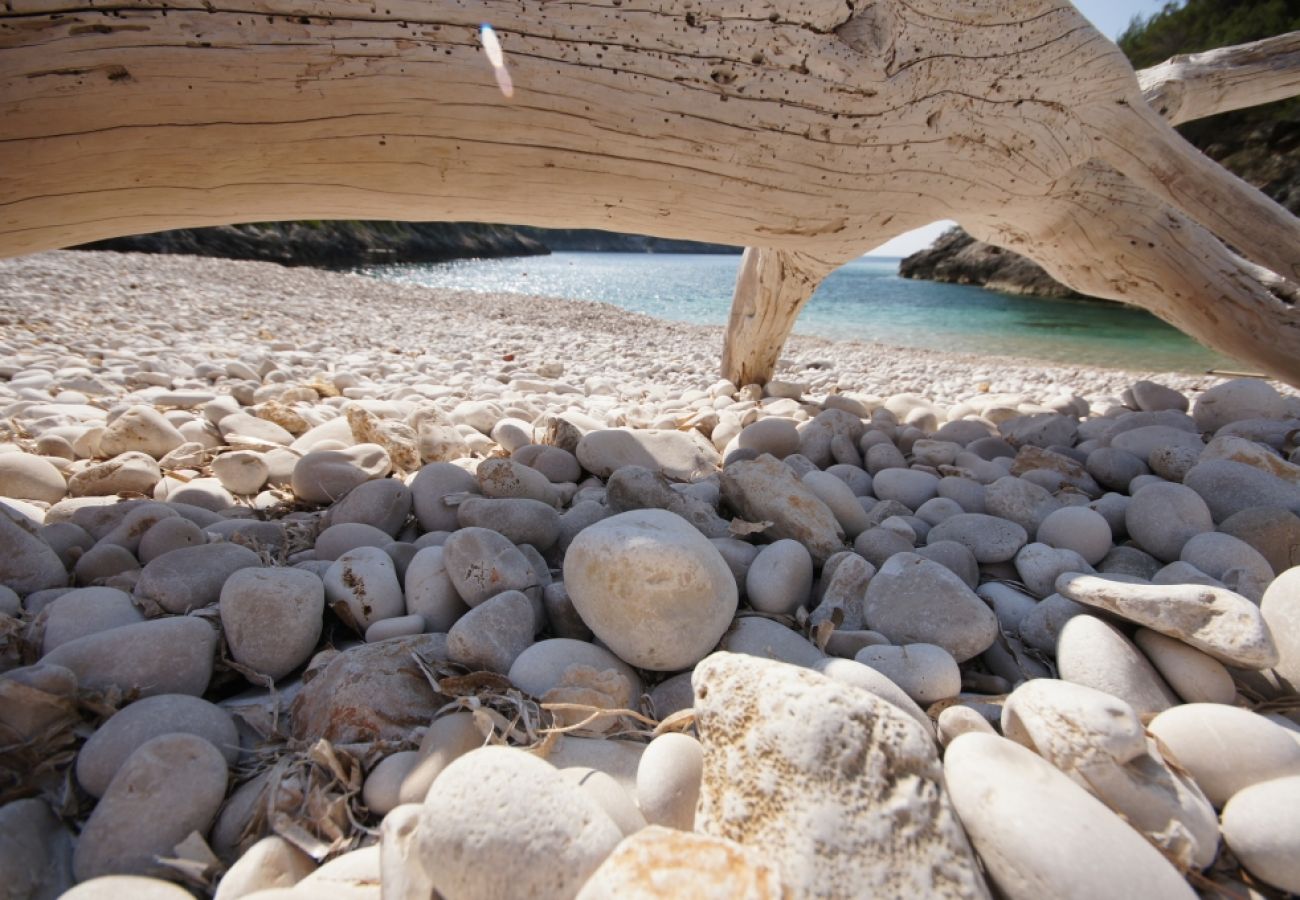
(610, 341)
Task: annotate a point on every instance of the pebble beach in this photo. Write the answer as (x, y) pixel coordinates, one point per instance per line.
(315, 586)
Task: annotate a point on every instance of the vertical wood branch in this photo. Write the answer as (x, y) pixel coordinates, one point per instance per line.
(771, 288)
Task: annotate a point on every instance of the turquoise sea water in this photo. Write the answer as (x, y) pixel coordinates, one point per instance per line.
(865, 300)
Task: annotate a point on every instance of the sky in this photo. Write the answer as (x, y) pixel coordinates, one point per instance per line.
(1111, 17)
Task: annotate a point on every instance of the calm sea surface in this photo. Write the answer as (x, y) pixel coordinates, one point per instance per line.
(865, 300)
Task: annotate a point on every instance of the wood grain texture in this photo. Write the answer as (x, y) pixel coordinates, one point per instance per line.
(813, 130)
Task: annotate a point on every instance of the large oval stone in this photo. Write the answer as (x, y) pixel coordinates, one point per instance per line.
(652, 588)
(160, 656)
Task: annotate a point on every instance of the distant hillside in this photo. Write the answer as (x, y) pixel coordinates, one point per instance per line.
(343, 244)
(1261, 145)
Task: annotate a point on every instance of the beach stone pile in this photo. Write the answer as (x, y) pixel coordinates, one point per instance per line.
(796, 640)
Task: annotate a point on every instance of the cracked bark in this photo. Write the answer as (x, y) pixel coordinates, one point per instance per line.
(812, 131)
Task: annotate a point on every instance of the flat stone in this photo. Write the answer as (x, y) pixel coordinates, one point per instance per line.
(521, 521)
(651, 587)
(132, 472)
(1225, 748)
(371, 692)
(912, 600)
(501, 822)
(324, 476)
(766, 490)
(168, 788)
(666, 862)
(1261, 825)
(272, 618)
(191, 578)
(1096, 654)
(1028, 820)
(678, 455)
(1228, 487)
(830, 783)
(25, 476)
(1224, 625)
(1242, 398)
(989, 538)
(134, 725)
(160, 656)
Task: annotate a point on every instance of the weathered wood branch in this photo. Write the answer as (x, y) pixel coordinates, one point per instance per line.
(1198, 85)
(814, 130)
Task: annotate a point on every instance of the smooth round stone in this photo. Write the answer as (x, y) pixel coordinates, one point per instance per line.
(1040, 565)
(125, 473)
(323, 476)
(384, 503)
(912, 600)
(909, 487)
(776, 436)
(989, 538)
(241, 472)
(1097, 655)
(876, 545)
(677, 455)
(1273, 531)
(482, 563)
(160, 656)
(520, 521)
(954, 557)
(883, 455)
(851, 672)
(338, 539)
(25, 476)
(651, 587)
(191, 577)
(1129, 561)
(500, 822)
(400, 626)
(780, 578)
(169, 787)
(1218, 554)
(493, 634)
(1152, 397)
(272, 862)
(382, 788)
(1020, 501)
(561, 670)
(112, 887)
(447, 739)
(757, 636)
(666, 862)
(244, 425)
(1194, 676)
(1028, 820)
(10, 603)
(35, 850)
(839, 498)
(1261, 825)
(1226, 749)
(609, 795)
(365, 582)
(559, 466)
(1079, 529)
(1281, 610)
(430, 592)
(429, 488)
(168, 534)
(926, 673)
(1228, 487)
(506, 479)
(1232, 401)
(1163, 517)
(1114, 469)
(134, 725)
(28, 564)
(672, 695)
(958, 720)
(668, 780)
(140, 429)
(87, 611)
(102, 562)
(1144, 441)
(272, 618)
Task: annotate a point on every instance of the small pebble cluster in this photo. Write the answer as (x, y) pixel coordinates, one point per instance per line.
(284, 619)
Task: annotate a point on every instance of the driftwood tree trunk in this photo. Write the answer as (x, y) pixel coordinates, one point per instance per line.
(812, 129)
